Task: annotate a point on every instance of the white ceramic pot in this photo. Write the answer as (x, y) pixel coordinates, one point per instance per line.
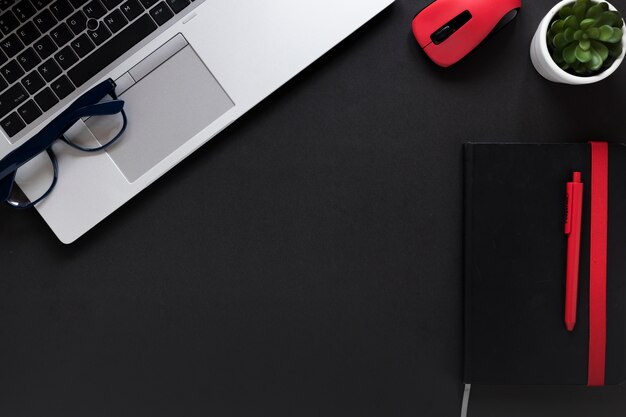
(545, 65)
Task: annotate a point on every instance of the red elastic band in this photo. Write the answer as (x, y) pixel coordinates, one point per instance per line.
(597, 265)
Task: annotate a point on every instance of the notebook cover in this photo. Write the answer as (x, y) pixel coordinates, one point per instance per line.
(515, 261)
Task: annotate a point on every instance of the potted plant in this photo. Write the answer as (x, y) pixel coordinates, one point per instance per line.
(579, 42)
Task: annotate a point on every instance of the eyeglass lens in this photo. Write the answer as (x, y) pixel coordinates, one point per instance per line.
(36, 179)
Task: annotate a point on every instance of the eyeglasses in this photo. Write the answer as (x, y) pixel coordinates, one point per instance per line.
(87, 105)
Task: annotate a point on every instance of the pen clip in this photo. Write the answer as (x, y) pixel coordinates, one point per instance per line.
(568, 208)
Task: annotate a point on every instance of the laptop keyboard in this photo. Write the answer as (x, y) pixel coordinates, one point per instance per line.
(50, 48)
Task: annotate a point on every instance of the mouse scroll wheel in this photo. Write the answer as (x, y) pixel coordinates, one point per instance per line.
(445, 31)
(442, 34)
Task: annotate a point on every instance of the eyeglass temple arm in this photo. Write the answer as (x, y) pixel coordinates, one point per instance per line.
(100, 109)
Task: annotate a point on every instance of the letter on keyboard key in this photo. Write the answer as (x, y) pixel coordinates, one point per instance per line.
(28, 33)
(66, 57)
(115, 21)
(33, 82)
(131, 9)
(28, 59)
(77, 22)
(100, 34)
(45, 47)
(93, 63)
(11, 45)
(11, 71)
(61, 9)
(94, 10)
(49, 70)
(82, 45)
(45, 21)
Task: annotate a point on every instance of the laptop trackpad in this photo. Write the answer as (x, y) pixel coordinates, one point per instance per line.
(165, 109)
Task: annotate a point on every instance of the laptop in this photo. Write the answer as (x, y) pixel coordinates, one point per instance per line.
(185, 69)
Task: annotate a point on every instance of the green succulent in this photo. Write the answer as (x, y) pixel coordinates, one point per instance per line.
(585, 37)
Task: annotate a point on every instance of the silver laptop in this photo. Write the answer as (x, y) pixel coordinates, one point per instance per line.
(186, 70)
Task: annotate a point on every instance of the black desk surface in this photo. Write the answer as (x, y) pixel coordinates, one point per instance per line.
(307, 261)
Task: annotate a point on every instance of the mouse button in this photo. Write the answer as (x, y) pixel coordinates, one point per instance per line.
(456, 46)
(422, 37)
(442, 55)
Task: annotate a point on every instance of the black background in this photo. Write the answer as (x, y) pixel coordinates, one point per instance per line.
(307, 261)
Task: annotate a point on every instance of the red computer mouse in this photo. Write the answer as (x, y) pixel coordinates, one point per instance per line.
(447, 30)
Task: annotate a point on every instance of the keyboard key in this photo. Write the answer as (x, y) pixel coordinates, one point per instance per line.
(115, 21)
(40, 4)
(131, 9)
(33, 82)
(12, 124)
(3, 84)
(46, 99)
(44, 21)
(45, 47)
(11, 45)
(61, 34)
(12, 71)
(12, 98)
(178, 5)
(49, 70)
(24, 10)
(29, 111)
(66, 57)
(28, 33)
(77, 22)
(113, 49)
(8, 22)
(111, 4)
(3, 58)
(99, 35)
(77, 3)
(161, 13)
(148, 3)
(94, 9)
(62, 87)
(28, 59)
(82, 45)
(61, 9)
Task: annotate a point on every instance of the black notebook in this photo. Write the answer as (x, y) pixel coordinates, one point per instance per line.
(515, 265)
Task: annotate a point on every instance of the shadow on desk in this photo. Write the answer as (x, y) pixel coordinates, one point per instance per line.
(548, 401)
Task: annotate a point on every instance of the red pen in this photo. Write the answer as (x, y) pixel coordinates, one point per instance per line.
(573, 222)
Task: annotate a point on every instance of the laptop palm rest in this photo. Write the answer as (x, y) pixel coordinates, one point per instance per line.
(165, 108)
